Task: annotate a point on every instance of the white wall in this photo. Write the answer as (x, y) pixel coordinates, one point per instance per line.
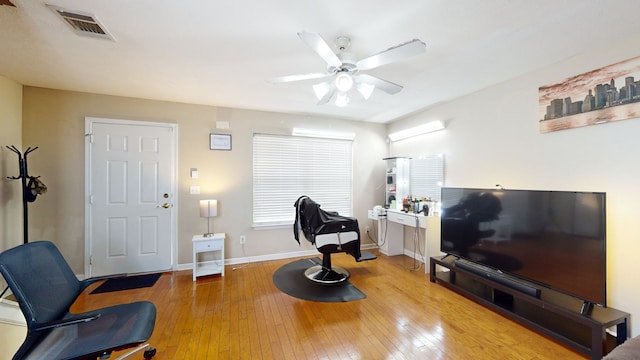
(10, 191)
(492, 138)
(13, 328)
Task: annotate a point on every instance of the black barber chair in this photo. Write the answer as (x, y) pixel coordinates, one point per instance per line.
(330, 233)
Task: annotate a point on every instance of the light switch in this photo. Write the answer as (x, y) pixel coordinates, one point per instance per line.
(194, 190)
(194, 173)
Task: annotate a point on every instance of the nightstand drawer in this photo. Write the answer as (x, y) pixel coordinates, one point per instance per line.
(209, 245)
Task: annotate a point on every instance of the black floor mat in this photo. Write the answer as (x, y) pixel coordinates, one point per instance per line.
(127, 283)
(290, 279)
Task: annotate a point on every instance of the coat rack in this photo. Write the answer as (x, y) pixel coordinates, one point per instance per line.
(30, 190)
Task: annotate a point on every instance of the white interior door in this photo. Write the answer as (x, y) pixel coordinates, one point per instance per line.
(130, 196)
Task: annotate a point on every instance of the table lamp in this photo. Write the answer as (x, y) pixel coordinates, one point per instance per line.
(208, 209)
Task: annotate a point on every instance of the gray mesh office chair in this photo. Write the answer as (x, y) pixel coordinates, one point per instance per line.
(45, 287)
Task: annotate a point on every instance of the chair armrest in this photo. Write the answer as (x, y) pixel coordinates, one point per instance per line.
(65, 322)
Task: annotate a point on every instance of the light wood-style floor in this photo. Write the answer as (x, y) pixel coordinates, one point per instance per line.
(244, 316)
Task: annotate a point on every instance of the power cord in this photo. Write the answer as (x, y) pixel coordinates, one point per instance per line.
(374, 239)
(416, 247)
(384, 237)
(243, 265)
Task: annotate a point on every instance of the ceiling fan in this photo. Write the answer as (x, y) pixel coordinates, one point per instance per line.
(344, 68)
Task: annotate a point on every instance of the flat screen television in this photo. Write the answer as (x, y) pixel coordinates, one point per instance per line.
(556, 239)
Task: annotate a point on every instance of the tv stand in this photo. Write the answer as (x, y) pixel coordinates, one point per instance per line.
(578, 324)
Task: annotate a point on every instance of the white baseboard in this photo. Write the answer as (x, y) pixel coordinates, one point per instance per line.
(251, 259)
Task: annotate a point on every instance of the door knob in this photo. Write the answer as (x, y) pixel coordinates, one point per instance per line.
(166, 205)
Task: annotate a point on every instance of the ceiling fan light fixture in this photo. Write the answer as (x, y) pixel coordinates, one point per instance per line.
(344, 82)
(344, 68)
(365, 90)
(342, 100)
(321, 89)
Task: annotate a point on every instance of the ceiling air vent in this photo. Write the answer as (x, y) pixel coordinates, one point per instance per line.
(82, 23)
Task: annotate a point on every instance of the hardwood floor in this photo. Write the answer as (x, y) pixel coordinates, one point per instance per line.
(244, 316)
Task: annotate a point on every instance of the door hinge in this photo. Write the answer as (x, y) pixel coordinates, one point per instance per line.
(90, 199)
(90, 260)
(90, 137)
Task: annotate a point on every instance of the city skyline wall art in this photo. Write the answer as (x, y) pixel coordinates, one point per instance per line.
(607, 94)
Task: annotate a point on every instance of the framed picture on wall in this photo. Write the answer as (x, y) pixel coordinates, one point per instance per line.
(220, 141)
(599, 96)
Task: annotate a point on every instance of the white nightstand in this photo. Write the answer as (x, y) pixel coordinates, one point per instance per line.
(214, 244)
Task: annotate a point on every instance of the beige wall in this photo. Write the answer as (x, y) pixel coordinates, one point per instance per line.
(492, 138)
(10, 204)
(10, 192)
(54, 121)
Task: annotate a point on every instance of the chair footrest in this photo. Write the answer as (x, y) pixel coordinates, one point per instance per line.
(366, 256)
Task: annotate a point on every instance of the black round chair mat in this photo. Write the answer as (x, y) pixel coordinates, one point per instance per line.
(290, 279)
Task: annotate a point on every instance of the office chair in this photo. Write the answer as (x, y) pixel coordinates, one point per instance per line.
(330, 233)
(45, 288)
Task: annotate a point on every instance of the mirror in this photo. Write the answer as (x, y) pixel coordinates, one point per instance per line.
(415, 177)
(427, 176)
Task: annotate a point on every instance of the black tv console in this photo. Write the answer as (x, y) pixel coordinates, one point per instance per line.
(503, 279)
(549, 312)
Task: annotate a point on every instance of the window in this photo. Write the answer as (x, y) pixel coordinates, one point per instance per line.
(287, 167)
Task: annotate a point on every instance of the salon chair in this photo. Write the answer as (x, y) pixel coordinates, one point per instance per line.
(330, 233)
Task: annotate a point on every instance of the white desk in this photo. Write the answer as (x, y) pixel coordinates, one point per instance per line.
(213, 244)
(391, 232)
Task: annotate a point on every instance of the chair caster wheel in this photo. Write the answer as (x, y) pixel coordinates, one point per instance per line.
(149, 353)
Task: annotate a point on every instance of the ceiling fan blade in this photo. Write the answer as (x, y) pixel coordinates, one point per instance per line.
(393, 54)
(299, 77)
(384, 85)
(325, 99)
(317, 44)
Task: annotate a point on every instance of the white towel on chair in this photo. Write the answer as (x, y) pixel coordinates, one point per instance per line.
(336, 238)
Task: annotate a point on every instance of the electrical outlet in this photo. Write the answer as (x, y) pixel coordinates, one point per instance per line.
(243, 239)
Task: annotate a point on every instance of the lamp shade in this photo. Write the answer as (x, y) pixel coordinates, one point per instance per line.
(208, 208)
(322, 89)
(344, 82)
(342, 100)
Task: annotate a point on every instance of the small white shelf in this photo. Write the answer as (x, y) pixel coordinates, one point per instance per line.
(208, 244)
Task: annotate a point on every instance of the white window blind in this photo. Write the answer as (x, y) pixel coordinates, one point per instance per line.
(287, 167)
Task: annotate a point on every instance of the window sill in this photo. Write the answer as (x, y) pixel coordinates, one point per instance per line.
(271, 226)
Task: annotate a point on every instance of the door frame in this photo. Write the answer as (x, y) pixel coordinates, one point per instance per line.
(88, 125)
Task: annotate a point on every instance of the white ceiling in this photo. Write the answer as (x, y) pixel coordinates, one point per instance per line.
(221, 52)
